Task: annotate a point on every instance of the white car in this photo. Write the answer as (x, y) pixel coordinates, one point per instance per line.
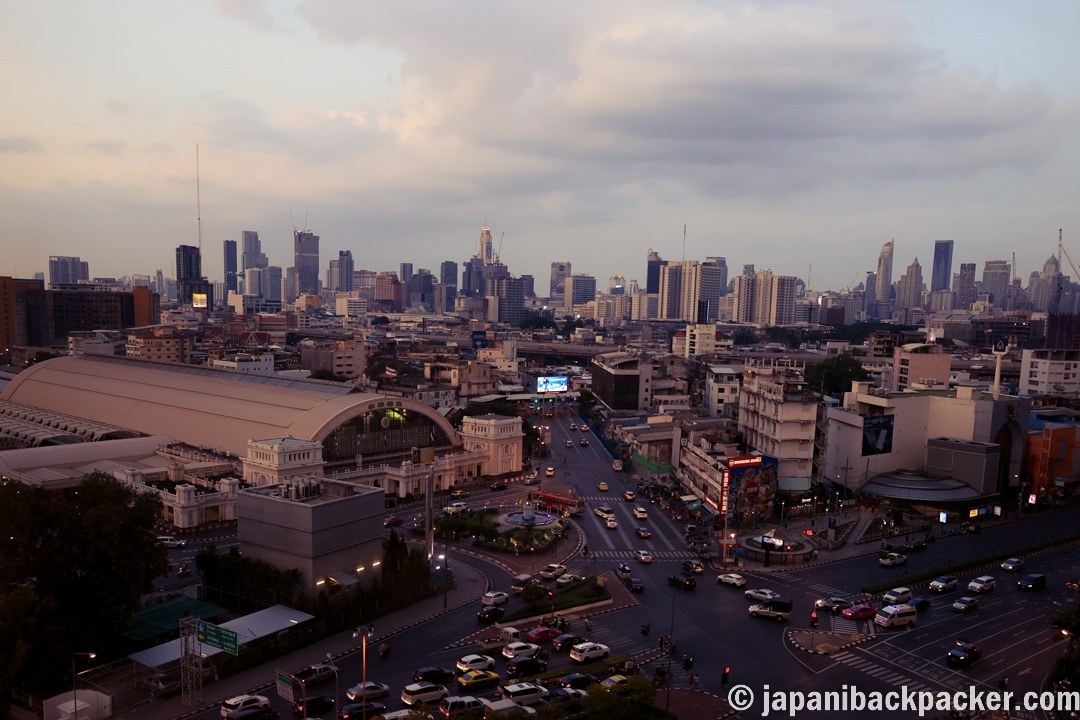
(604, 512)
(762, 595)
(495, 597)
(549, 471)
(552, 571)
(476, 662)
(519, 649)
(611, 523)
(641, 513)
(456, 508)
(731, 579)
(589, 651)
(423, 693)
(643, 556)
(892, 559)
(982, 584)
(243, 702)
(370, 690)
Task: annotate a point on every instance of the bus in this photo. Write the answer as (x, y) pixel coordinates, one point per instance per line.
(561, 504)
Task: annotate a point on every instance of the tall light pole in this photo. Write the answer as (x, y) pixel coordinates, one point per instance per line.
(671, 651)
(337, 685)
(75, 681)
(364, 633)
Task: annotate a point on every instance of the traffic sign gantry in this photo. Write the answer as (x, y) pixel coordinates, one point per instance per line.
(219, 637)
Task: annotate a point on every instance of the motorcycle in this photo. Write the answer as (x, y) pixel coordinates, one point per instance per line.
(384, 651)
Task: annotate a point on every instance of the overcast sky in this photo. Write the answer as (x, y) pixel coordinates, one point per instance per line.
(783, 134)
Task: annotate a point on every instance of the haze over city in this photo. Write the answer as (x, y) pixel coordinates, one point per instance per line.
(779, 134)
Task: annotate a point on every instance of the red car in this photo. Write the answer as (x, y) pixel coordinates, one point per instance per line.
(542, 634)
(393, 521)
(860, 612)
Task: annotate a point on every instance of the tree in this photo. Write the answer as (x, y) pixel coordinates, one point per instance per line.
(74, 564)
(835, 374)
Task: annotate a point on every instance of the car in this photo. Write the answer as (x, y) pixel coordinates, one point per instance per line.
(456, 508)
(489, 613)
(393, 521)
(629, 495)
(965, 604)
(1012, 564)
(355, 711)
(568, 579)
(604, 512)
(943, 583)
(243, 702)
(643, 532)
(255, 713)
(458, 706)
(643, 556)
(733, 579)
(964, 654)
(589, 651)
(583, 442)
(611, 524)
(312, 704)
(833, 604)
(542, 634)
(423, 693)
(499, 485)
(523, 581)
(524, 694)
(519, 649)
(459, 494)
(859, 612)
(170, 541)
(315, 673)
(915, 546)
(549, 471)
(552, 571)
(693, 566)
(892, 559)
(636, 585)
(567, 641)
(614, 681)
(602, 486)
(433, 674)
(982, 584)
(521, 667)
(1034, 581)
(921, 605)
(761, 594)
(897, 596)
(494, 597)
(476, 662)
(573, 426)
(685, 582)
(569, 443)
(578, 681)
(641, 513)
(476, 679)
(564, 697)
(369, 690)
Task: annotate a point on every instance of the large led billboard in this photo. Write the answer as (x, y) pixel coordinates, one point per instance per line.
(752, 483)
(552, 384)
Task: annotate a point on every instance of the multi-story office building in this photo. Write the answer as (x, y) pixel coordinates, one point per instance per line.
(13, 325)
(882, 290)
(251, 254)
(229, 247)
(306, 262)
(448, 273)
(652, 273)
(777, 417)
(472, 278)
(765, 299)
(340, 275)
(557, 289)
(580, 289)
(511, 294)
(388, 292)
(997, 276)
(67, 270)
(189, 275)
(1050, 372)
(909, 288)
(942, 273)
(160, 344)
(920, 363)
(965, 286)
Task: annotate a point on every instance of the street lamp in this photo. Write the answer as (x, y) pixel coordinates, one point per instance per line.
(671, 651)
(337, 685)
(75, 681)
(365, 635)
(445, 567)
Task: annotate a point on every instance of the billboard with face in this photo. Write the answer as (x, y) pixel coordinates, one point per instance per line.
(752, 483)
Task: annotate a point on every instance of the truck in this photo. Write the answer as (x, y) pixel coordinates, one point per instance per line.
(504, 636)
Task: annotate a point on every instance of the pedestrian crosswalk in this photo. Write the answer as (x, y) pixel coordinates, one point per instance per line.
(874, 670)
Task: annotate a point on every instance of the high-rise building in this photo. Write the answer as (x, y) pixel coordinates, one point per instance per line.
(909, 288)
(712, 286)
(557, 291)
(652, 272)
(188, 272)
(448, 273)
(306, 262)
(339, 277)
(580, 289)
(511, 294)
(942, 274)
(995, 281)
(251, 254)
(528, 286)
(388, 292)
(472, 278)
(721, 264)
(670, 290)
(67, 270)
(486, 250)
(965, 286)
(230, 265)
(406, 272)
(883, 291)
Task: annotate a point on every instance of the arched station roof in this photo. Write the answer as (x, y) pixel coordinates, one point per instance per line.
(201, 406)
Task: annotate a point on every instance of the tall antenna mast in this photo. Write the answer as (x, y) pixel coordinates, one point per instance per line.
(684, 242)
(198, 197)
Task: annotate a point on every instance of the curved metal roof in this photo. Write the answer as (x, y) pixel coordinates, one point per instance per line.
(922, 488)
(198, 405)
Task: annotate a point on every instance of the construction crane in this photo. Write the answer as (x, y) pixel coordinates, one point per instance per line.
(498, 255)
(850, 284)
(1015, 285)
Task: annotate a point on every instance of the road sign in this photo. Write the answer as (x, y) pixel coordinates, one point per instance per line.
(219, 637)
(284, 685)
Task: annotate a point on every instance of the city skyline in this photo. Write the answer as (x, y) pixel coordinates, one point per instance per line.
(784, 135)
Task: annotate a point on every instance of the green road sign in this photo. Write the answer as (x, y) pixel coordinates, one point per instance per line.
(219, 637)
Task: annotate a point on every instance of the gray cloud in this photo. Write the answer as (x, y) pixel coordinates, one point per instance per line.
(117, 107)
(113, 148)
(253, 13)
(19, 144)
